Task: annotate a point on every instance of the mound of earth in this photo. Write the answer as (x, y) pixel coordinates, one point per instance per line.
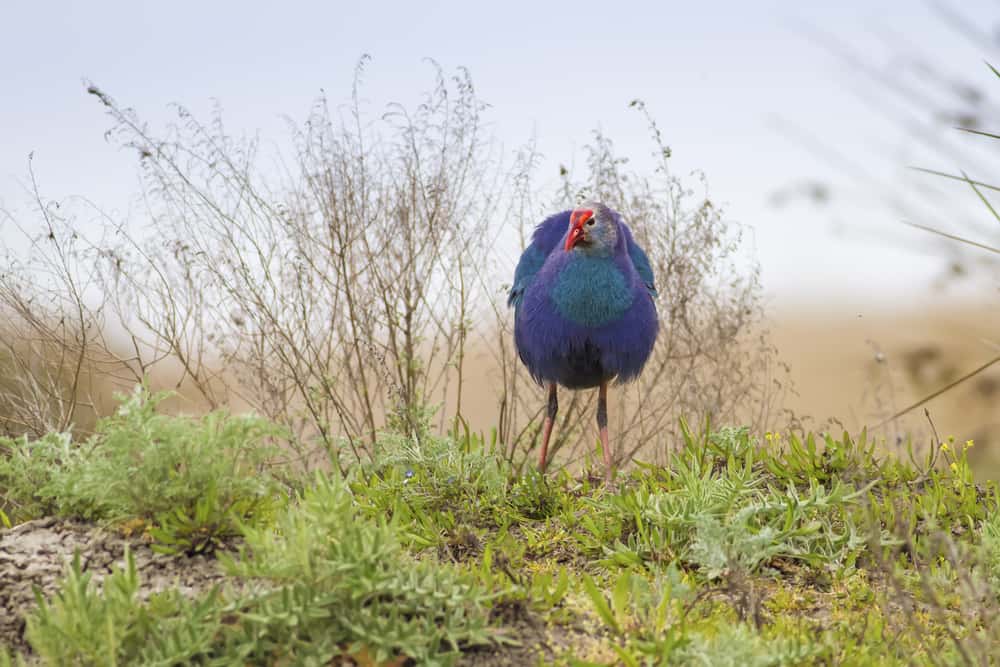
(37, 553)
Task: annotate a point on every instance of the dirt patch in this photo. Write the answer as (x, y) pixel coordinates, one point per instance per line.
(532, 641)
(37, 553)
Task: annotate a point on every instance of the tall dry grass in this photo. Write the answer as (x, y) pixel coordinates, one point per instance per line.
(344, 292)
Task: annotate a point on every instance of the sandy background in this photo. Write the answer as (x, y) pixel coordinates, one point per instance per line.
(850, 368)
(858, 366)
(862, 365)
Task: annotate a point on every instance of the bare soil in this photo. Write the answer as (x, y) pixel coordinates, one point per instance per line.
(37, 553)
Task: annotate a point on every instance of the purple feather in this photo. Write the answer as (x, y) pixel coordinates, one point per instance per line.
(584, 309)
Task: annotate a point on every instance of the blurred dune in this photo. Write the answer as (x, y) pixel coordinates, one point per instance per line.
(853, 368)
(850, 368)
(863, 365)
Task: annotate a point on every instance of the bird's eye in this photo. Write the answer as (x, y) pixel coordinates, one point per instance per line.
(590, 223)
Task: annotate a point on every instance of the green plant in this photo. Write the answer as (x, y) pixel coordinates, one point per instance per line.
(27, 467)
(536, 496)
(732, 553)
(8, 660)
(430, 484)
(801, 460)
(141, 463)
(109, 625)
(645, 616)
(739, 645)
(990, 541)
(192, 481)
(331, 579)
(547, 590)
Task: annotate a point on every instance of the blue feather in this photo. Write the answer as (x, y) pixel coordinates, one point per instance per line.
(581, 320)
(640, 262)
(545, 237)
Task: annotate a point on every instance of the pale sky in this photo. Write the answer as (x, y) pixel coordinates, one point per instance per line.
(720, 78)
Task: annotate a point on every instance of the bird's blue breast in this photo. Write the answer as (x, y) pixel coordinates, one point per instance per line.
(591, 292)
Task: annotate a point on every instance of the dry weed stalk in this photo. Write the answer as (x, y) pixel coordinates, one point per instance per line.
(344, 295)
(54, 347)
(333, 301)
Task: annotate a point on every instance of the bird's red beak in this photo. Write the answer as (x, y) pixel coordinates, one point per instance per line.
(577, 219)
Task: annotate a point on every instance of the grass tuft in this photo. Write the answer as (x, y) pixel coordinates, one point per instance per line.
(783, 550)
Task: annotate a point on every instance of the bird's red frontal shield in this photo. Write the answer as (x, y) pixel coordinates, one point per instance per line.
(577, 219)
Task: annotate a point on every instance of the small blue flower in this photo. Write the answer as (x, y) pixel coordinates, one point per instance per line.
(408, 474)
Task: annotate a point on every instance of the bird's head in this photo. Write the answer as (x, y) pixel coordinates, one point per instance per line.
(593, 230)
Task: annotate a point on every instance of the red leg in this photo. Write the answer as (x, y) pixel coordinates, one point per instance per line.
(550, 420)
(602, 424)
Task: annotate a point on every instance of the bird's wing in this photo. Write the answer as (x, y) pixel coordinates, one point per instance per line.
(641, 263)
(545, 238)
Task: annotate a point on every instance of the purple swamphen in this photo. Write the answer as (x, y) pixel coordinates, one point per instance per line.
(584, 311)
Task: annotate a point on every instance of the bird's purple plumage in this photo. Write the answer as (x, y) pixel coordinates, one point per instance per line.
(583, 352)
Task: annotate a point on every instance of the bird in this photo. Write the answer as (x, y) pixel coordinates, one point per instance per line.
(584, 299)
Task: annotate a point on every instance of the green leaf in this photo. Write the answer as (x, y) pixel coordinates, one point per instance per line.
(626, 656)
(600, 604)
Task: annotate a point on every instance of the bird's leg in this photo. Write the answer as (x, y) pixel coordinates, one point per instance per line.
(550, 420)
(602, 424)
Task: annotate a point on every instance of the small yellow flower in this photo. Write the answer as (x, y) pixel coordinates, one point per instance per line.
(769, 436)
(944, 447)
(969, 444)
(954, 467)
